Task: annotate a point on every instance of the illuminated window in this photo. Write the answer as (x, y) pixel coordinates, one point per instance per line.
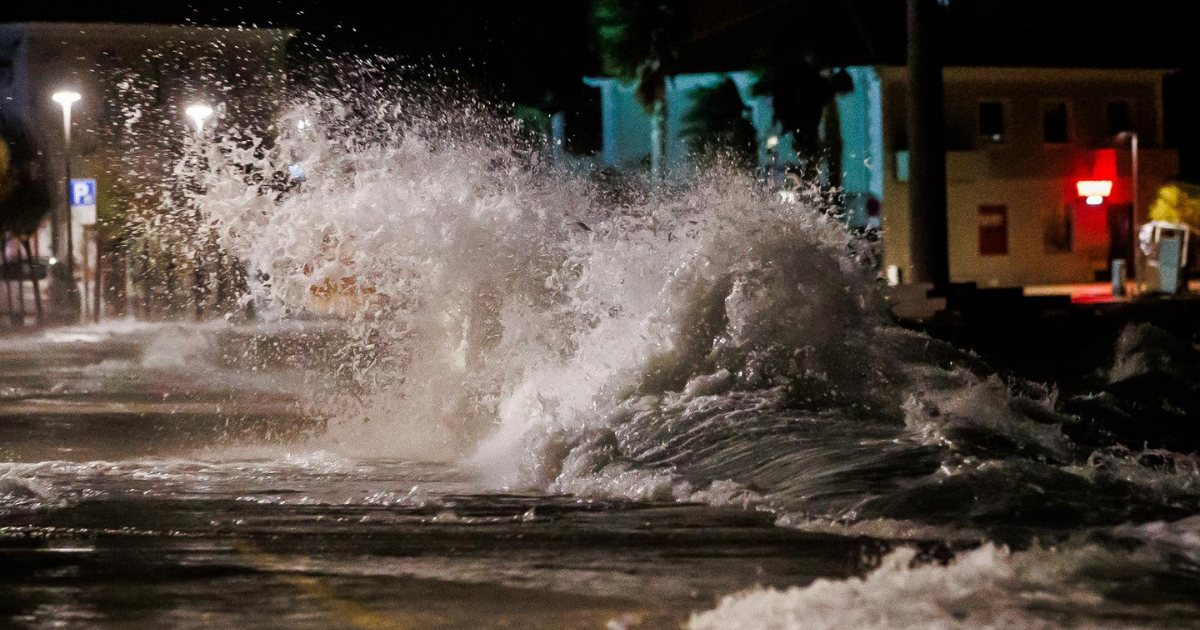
(1055, 122)
(991, 121)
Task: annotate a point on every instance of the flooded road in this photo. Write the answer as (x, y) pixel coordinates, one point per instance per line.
(165, 476)
(139, 492)
(484, 394)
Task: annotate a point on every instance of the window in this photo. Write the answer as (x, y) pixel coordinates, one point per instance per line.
(993, 230)
(1120, 117)
(1058, 231)
(1055, 122)
(991, 121)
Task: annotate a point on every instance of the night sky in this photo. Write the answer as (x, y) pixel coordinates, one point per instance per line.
(524, 46)
(513, 48)
(515, 51)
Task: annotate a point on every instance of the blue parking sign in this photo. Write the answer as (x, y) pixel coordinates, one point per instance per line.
(83, 192)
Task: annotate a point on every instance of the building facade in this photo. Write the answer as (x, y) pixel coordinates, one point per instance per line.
(1019, 142)
(128, 127)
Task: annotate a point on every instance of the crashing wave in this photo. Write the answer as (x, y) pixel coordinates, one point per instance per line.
(513, 316)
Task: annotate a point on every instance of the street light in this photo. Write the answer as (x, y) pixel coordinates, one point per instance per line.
(1133, 148)
(199, 113)
(67, 99)
(1133, 226)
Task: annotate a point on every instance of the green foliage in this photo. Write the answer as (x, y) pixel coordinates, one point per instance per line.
(639, 40)
(718, 124)
(533, 119)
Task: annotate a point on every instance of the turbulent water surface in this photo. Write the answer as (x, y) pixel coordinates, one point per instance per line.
(482, 392)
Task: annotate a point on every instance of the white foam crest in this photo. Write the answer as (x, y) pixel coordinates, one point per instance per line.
(249, 460)
(1163, 475)
(23, 493)
(986, 406)
(882, 529)
(503, 313)
(987, 588)
(504, 301)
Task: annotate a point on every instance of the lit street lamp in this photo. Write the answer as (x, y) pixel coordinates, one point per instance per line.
(67, 99)
(199, 113)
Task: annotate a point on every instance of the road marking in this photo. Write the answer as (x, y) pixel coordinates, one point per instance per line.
(342, 609)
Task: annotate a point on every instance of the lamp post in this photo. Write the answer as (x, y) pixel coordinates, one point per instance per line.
(198, 112)
(1133, 229)
(66, 99)
(1133, 148)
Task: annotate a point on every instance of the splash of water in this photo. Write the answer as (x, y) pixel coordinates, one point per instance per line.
(709, 343)
(490, 293)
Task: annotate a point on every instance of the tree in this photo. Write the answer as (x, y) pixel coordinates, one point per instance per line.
(718, 125)
(639, 41)
(24, 198)
(803, 96)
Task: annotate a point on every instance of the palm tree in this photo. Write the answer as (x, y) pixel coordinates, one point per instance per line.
(718, 125)
(639, 41)
(804, 96)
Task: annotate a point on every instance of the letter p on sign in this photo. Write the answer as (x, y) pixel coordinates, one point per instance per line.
(83, 192)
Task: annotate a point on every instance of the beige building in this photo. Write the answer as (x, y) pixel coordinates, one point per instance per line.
(1019, 141)
(129, 127)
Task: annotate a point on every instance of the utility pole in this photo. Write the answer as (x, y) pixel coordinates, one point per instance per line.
(928, 231)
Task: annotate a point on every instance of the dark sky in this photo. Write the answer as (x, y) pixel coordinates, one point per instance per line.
(512, 51)
(513, 48)
(523, 45)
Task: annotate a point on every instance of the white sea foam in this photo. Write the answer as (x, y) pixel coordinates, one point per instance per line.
(988, 588)
(495, 301)
(970, 593)
(510, 315)
(987, 406)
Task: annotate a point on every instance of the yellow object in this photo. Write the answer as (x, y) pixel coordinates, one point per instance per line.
(5, 168)
(1177, 203)
(4, 159)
